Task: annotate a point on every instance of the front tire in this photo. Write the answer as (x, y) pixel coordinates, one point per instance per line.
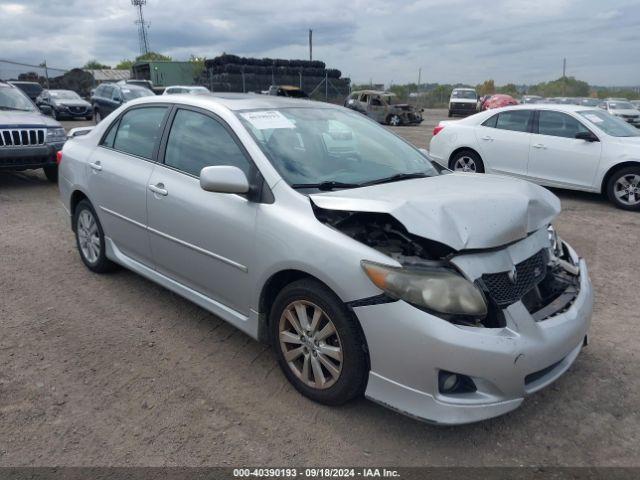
(623, 188)
(466, 161)
(318, 342)
(51, 172)
(90, 239)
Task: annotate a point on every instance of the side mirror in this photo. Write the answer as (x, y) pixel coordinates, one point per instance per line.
(587, 137)
(223, 179)
(46, 109)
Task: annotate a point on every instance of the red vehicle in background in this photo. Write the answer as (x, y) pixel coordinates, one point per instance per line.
(499, 100)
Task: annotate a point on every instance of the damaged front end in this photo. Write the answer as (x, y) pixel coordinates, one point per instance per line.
(430, 277)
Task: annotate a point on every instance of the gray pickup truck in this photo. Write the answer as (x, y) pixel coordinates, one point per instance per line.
(28, 138)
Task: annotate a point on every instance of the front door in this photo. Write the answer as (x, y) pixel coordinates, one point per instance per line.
(201, 239)
(557, 157)
(118, 174)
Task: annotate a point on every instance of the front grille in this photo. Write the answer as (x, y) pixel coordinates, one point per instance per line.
(77, 109)
(506, 288)
(22, 137)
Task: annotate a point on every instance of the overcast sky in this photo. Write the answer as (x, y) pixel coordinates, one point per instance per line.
(520, 41)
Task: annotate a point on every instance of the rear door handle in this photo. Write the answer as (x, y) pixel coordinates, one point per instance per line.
(487, 138)
(539, 145)
(96, 166)
(159, 189)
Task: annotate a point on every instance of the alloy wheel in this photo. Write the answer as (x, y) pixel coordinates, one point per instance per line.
(394, 121)
(310, 344)
(465, 164)
(88, 236)
(627, 189)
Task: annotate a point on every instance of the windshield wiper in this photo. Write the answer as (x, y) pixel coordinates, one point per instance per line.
(396, 178)
(328, 185)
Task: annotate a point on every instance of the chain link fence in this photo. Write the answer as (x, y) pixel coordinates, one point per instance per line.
(42, 73)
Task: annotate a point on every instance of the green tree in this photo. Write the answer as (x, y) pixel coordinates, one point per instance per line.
(508, 89)
(95, 65)
(153, 57)
(487, 87)
(124, 65)
(198, 66)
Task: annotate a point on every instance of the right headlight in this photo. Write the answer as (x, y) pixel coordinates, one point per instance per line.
(439, 290)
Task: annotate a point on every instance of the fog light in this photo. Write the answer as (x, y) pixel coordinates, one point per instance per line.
(449, 382)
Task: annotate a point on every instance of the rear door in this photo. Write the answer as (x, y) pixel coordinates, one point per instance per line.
(557, 158)
(118, 177)
(503, 141)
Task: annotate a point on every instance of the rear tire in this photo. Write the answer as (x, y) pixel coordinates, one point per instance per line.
(394, 120)
(328, 368)
(623, 188)
(466, 161)
(51, 172)
(450, 114)
(90, 239)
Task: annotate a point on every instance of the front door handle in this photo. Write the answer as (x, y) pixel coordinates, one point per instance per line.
(487, 138)
(539, 145)
(96, 166)
(159, 189)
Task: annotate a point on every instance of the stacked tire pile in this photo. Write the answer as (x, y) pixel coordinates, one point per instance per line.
(230, 73)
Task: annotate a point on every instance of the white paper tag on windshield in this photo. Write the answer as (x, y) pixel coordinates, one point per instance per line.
(593, 118)
(267, 120)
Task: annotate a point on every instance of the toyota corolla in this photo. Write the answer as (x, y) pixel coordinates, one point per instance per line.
(370, 269)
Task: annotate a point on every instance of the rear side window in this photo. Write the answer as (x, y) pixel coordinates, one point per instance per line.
(514, 120)
(559, 124)
(139, 130)
(197, 141)
(491, 122)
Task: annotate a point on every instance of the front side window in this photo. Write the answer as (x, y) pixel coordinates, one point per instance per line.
(197, 141)
(514, 120)
(313, 145)
(139, 130)
(557, 124)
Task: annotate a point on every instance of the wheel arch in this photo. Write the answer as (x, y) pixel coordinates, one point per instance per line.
(274, 285)
(76, 197)
(462, 149)
(618, 166)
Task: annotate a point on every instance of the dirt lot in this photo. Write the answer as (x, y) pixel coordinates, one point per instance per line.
(114, 370)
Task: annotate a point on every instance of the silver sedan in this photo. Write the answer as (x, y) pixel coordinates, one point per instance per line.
(369, 269)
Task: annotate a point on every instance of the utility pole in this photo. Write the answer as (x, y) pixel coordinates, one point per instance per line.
(310, 45)
(46, 72)
(419, 77)
(564, 76)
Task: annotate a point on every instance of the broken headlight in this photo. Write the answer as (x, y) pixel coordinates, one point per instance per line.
(438, 290)
(555, 244)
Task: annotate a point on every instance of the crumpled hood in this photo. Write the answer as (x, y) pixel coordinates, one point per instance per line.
(463, 211)
(15, 119)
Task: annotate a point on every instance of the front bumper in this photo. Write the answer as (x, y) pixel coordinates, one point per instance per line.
(20, 158)
(408, 348)
(74, 112)
(463, 108)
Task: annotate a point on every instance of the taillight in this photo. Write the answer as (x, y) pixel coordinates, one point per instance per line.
(59, 157)
(437, 129)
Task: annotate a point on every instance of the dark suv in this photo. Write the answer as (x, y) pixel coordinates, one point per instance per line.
(28, 139)
(109, 96)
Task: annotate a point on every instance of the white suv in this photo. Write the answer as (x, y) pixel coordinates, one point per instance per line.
(463, 101)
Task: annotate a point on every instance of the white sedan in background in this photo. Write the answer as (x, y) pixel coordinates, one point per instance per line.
(563, 146)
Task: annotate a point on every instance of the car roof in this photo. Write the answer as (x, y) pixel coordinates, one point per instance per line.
(546, 106)
(235, 101)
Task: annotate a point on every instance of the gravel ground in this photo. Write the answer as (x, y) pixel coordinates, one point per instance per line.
(114, 370)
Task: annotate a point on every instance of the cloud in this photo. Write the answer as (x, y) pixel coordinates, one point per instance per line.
(468, 41)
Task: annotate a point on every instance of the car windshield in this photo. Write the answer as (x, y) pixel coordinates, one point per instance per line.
(313, 146)
(131, 93)
(464, 94)
(610, 124)
(621, 106)
(15, 99)
(64, 95)
(591, 102)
